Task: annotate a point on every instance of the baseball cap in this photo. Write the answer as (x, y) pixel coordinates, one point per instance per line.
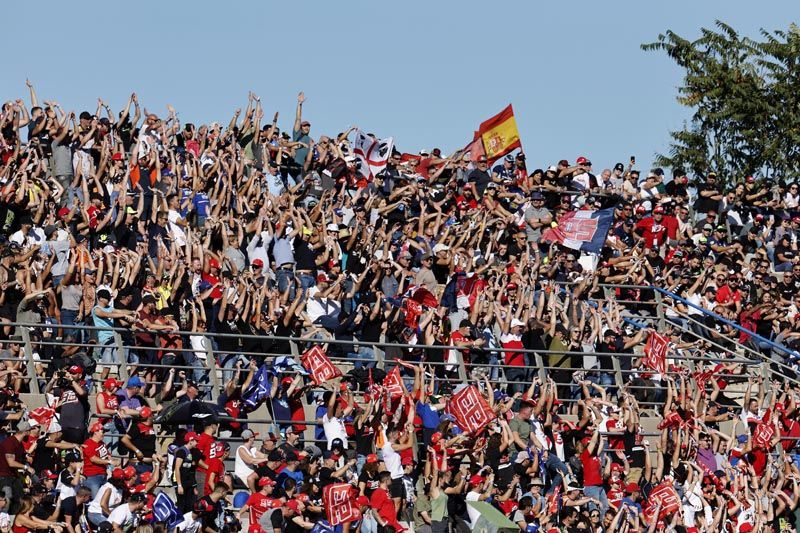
(249, 434)
(476, 479)
(264, 481)
(619, 166)
(658, 210)
(294, 505)
(258, 263)
(630, 488)
(97, 426)
(118, 473)
(75, 369)
(191, 435)
(111, 383)
(536, 195)
(372, 458)
(48, 474)
(135, 381)
(146, 412)
(213, 263)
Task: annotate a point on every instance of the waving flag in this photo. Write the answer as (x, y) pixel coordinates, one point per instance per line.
(373, 153)
(655, 352)
(259, 389)
(499, 134)
(470, 409)
(164, 510)
(582, 230)
(666, 495)
(318, 364)
(394, 383)
(339, 501)
(43, 416)
(764, 432)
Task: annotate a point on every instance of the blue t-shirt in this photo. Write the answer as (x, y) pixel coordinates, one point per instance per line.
(429, 416)
(201, 203)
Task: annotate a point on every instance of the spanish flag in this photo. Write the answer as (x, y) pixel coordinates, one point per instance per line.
(499, 134)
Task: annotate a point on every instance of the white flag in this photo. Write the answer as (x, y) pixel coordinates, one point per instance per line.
(372, 153)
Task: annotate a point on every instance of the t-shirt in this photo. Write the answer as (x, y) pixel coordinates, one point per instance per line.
(216, 466)
(122, 516)
(10, 446)
(523, 428)
(259, 504)
(383, 505)
(70, 507)
(474, 514)
(190, 524)
(334, 429)
(187, 467)
(511, 341)
(592, 476)
(91, 448)
(392, 460)
(205, 444)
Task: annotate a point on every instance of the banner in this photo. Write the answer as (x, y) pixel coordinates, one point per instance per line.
(42, 416)
(666, 495)
(655, 352)
(582, 230)
(165, 510)
(318, 364)
(394, 383)
(763, 434)
(470, 409)
(339, 501)
(554, 501)
(373, 153)
(259, 389)
(499, 134)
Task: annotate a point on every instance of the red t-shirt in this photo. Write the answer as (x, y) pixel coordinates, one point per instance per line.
(218, 467)
(298, 412)
(614, 497)
(789, 428)
(260, 504)
(725, 294)
(654, 234)
(94, 449)
(108, 401)
(592, 476)
(205, 447)
(10, 446)
(382, 504)
(507, 340)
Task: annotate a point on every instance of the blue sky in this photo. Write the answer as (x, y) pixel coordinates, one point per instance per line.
(426, 73)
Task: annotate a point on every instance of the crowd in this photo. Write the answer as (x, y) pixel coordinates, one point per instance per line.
(157, 232)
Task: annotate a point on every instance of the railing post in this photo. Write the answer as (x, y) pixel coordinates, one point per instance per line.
(121, 359)
(26, 346)
(379, 359)
(462, 368)
(660, 311)
(295, 350)
(537, 358)
(617, 372)
(211, 361)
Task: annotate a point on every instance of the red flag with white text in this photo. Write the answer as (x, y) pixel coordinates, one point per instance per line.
(470, 409)
(394, 383)
(655, 352)
(318, 364)
(339, 501)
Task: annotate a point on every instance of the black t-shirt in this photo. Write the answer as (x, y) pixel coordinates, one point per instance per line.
(187, 466)
(143, 437)
(210, 518)
(480, 178)
(305, 258)
(370, 482)
(704, 204)
(326, 476)
(44, 458)
(365, 436)
(70, 507)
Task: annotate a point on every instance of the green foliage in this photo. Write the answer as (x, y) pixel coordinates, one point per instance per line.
(745, 94)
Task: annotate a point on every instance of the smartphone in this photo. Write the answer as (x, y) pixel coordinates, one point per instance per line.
(633, 160)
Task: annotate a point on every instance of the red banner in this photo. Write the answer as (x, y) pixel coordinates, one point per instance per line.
(470, 409)
(42, 416)
(339, 501)
(666, 495)
(763, 434)
(394, 383)
(318, 364)
(555, 499)
(655, 352)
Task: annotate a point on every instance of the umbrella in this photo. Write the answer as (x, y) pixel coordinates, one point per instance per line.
(492, 520)
(191, 412)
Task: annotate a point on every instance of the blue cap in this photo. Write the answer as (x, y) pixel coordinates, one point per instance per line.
(742, 439)
(135, 381)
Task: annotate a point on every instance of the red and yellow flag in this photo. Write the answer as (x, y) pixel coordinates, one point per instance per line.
(499, 134)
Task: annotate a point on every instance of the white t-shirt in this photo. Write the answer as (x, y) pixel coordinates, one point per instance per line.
(189, 524)
(240, 467)
(334, 429)
(122, 516)
(474, 514)
(391, 459)
(113, 500)
(177, 232)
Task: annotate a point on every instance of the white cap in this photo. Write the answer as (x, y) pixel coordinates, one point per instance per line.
(332, 227)
(517, 322)
(440, 248)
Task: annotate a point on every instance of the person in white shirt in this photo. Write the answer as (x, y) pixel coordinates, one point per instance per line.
(176, 221)
(332, 420)
(191, 523)
(123, 516)
(107, 498)
(393, 444)
(481, 489)
(246, 457)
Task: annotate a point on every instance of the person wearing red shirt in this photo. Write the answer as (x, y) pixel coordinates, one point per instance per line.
(12, 464)
(592, 471)
(383, 509)
(654, 229)
(96, 458)
(216, 467)
(207, 451)
(259, 503)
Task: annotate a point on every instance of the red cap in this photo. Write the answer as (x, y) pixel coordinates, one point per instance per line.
(130, 472)
(744, 528)
(213, 263)
(322, 278)
(302, 497)
(581, 160)
(294, 505)
(616, 467)
(116, 157)
(476, 479)
(190, 435)
(641, 209)
(257, 263)
(118, 473)
(511, 285)
(287, 380)
(75, 369)
(658, 210)
(97, 426)
(146, 412)
(145, 477)
(110, 383)
(630, 488)
(48, 474)
(362, 500)
(436, 437)
(64, 211)
(372, 458)
(264, 481)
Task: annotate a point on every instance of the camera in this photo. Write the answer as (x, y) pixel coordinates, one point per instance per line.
(62, 382)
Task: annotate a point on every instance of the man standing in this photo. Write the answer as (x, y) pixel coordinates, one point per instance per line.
(383, 509)
(521, 429)
(12, 464)
(479, 178)
(184, 472)
(302, 129)
(537, 218)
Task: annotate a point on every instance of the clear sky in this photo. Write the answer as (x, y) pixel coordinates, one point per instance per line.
(425, 72)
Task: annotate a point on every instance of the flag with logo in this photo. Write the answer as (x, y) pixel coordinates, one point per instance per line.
(165, 510)
(373, 153)
(666, 495)
(470, 409)
(655, 352)
(554, 501)
(319, 366)
(259, 389)
(499, 135)
(764, 432)
(42, 416)
(339, 502)
(582, 230)
(393, 383)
